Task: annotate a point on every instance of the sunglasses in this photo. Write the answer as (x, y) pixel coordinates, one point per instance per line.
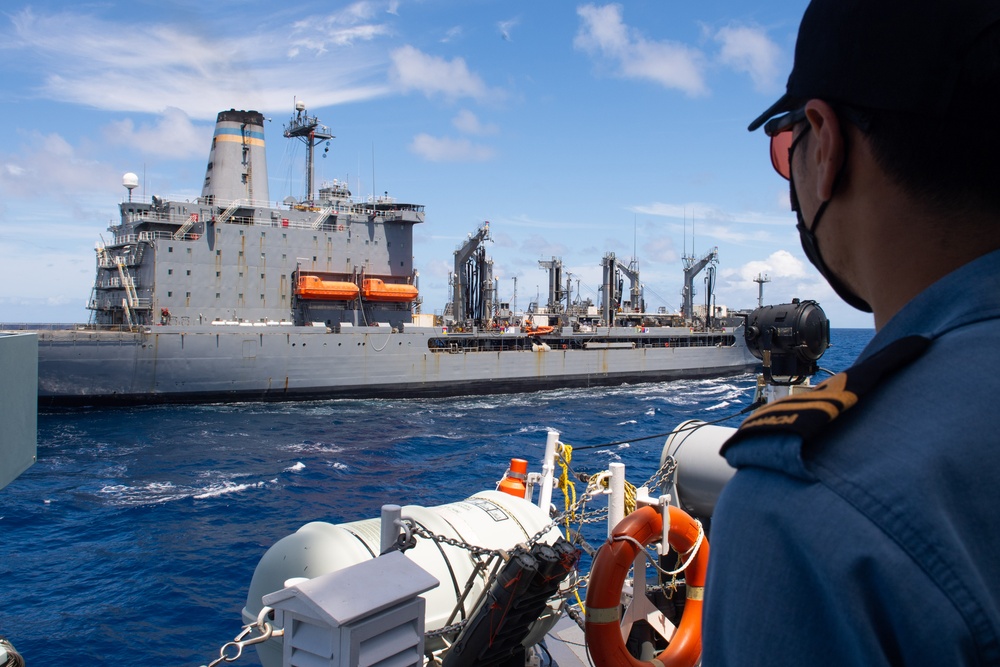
(780, 131)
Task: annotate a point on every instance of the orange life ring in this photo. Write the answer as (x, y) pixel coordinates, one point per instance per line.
(340, 228)
(607, 576)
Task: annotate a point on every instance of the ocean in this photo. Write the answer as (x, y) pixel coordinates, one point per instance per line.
(133, 538)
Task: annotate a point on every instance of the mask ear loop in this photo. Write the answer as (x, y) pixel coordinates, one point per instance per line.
(807, 237)
(792, 196)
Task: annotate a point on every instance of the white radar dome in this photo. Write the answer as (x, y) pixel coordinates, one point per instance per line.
(300, 105)
(130, 181)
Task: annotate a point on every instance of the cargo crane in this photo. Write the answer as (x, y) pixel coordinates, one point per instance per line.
(691, 269)
(613, 287)
(472, 281)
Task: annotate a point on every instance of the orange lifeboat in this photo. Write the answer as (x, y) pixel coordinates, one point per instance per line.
(313, 287)
(376, 289)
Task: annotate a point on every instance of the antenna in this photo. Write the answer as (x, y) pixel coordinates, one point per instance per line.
(685, 258)
(374, 191)
(635, 235)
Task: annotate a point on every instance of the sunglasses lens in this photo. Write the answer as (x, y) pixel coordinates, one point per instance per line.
(780, 143)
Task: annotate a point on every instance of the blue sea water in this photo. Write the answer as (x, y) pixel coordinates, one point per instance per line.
(133, 539)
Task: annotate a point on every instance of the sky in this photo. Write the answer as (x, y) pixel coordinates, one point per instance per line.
(574, 128)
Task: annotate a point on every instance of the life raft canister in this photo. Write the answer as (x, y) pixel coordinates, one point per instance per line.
(607, 577)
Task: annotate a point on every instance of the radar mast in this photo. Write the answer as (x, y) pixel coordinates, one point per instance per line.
(308, 129)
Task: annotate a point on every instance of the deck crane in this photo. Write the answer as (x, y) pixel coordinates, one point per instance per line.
(691, 269)
(472, 282)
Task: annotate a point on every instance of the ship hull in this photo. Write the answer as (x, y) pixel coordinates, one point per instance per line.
(273, 363)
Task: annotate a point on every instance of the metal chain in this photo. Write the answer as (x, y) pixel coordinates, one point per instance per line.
(448, 629)
(420, 531)
(665, 472)
(232, 651)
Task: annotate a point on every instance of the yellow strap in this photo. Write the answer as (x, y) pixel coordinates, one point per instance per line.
(695, 592)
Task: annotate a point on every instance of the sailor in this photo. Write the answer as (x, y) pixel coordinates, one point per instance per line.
(861, 527)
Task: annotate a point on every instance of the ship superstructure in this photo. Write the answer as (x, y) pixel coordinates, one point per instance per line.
(234, 256)
(234, 296)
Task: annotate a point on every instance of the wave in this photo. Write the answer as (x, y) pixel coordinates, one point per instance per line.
(158, 493)
(226, 488)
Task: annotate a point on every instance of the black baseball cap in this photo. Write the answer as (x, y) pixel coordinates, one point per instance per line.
(892, 55)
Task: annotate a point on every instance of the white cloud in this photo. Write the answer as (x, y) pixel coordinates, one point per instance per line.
(53, 167)
(414, 70)
(173, 135)
(452, 34)
(340, 28)
(780, 264)
(660, 250)
(748, 49)
(146, 67)
(670, 64)
(467, 122)
(444, 149)
(700, 211)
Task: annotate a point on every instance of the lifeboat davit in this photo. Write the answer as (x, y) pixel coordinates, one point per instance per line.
(313, 287)
(376, 289)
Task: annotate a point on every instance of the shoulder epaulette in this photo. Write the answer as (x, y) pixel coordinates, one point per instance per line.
(809, 413)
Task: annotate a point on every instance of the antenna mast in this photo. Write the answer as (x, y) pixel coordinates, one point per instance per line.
(760, 280)
(308, 129)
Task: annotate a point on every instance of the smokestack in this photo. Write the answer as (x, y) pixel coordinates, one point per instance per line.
(237, 166)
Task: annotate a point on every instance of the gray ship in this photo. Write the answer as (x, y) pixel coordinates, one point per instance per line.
(233, 296)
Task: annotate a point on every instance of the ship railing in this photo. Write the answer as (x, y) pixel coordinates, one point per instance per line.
(234, 204)
(178, 219)
(132, 239)
(29, 326)
(109, 302)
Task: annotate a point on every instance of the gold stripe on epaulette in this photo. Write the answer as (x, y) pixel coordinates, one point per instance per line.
(831, 398)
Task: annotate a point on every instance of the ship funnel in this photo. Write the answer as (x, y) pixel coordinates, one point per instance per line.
(237, 167)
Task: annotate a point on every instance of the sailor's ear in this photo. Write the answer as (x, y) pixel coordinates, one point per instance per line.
(825, 151)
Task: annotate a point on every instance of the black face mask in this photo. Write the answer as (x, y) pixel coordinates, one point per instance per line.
(810, 245)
